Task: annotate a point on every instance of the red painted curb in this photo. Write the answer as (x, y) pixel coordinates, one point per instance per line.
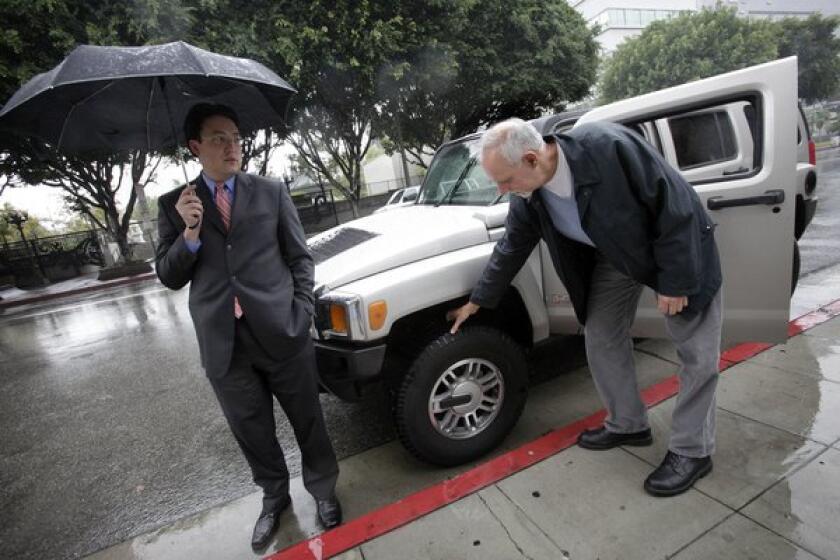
(58, 295)
(387, 518)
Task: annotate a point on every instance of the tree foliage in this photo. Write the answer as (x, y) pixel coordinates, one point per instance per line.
(474, 63)
(412, 72)
(336, 57)
(714, 41)
(9, 233)
(90, 186)
(816, 42)
(686, 48)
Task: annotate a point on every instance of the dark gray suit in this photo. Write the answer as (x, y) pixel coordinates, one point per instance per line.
(263, 261)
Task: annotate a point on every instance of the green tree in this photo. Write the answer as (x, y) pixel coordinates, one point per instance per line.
(32, 227)
(686, 48)
(816, 43)
(90, 186)
(335, 59)
(72, 222)
(474, 63)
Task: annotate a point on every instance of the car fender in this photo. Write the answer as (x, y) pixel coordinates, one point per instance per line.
(428, 282)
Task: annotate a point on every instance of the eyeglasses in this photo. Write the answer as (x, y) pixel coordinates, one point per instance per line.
(222, 139)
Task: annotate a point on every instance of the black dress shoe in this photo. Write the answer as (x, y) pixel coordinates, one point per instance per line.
(329, 512)
(677, 474)
(601, 438)
(266, 525)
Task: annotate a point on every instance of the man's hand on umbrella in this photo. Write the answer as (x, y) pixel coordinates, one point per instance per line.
(460, 315)
(668, 305)
(191, 210)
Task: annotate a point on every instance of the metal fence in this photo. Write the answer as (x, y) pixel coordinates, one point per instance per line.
(38, 261)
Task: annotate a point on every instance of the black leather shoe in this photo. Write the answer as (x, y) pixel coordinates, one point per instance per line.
(601, 438)
(329, 512)
(266, 525)
(677, 474)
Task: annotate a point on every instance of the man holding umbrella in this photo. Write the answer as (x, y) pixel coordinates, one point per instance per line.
(236, 238)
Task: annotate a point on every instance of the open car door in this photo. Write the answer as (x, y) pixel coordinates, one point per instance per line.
(744, 172)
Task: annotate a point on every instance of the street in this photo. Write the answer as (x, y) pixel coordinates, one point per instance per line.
(110, 428)
(820, 244)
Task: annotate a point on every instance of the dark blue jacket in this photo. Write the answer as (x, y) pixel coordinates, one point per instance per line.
(642, 215)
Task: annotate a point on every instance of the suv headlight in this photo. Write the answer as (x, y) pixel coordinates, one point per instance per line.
(340, 316)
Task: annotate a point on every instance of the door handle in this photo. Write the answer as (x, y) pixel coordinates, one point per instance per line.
(736, 171)
(775, 196)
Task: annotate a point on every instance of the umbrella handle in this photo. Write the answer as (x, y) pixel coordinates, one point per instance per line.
(184, 168)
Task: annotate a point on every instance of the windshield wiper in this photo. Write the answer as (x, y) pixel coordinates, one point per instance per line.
(446, 197)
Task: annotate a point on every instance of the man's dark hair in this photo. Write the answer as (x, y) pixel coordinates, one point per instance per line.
(200, 113)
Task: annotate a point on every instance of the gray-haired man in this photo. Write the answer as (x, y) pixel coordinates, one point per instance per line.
(616, 217)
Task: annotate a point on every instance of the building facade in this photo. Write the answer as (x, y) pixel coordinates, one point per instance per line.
(620, 19)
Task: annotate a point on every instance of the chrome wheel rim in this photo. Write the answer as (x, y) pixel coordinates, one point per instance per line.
(466, 398)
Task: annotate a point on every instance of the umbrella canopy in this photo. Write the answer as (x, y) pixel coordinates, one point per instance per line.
(107, 99)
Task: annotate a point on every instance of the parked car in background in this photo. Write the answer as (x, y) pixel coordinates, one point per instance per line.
(400, 198)
(383, 283)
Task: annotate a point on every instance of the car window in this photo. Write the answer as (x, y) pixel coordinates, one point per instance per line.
(410, 195)
(703, 138)
(395, 198)
(455, 177)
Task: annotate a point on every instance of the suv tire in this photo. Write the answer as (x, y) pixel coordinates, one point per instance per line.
(461, 396)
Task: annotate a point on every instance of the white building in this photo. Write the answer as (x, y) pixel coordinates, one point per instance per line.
(385, 173)
(620, 19)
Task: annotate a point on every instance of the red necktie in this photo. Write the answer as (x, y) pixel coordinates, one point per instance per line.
(223, 206)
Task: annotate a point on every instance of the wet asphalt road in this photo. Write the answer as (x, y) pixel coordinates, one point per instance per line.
(109, 428)
(819, 246)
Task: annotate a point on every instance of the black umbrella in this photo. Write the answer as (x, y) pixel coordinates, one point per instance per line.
(108, 99)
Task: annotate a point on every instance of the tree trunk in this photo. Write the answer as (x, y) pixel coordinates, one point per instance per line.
(125, 247)
(118, 235)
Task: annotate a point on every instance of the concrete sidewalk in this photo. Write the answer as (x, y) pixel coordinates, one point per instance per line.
(774, 492)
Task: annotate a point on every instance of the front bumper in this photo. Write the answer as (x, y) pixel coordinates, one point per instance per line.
(344, 369)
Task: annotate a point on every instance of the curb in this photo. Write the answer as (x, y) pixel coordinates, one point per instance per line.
(83, 290)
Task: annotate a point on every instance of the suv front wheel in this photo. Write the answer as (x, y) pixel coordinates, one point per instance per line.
(461, 396)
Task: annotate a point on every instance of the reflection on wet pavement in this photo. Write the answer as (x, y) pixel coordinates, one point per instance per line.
(799, 404)
(110, 428)
(805, 507)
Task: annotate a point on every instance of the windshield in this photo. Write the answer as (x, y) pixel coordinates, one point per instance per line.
(453, 163)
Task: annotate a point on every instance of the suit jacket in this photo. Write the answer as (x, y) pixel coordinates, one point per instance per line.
(638, 210)
(263, 260)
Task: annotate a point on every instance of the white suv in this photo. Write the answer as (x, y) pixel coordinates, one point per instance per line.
(385, 282)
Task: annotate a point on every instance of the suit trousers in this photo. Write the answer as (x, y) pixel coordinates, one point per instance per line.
(245, 394)
(611, 309)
